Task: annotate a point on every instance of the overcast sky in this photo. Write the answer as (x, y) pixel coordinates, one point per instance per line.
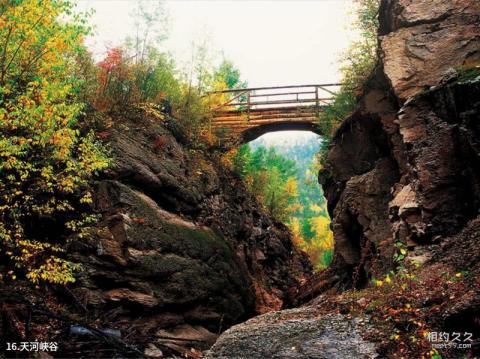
(272, 42)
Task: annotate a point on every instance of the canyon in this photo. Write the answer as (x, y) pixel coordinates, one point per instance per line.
(184, 262)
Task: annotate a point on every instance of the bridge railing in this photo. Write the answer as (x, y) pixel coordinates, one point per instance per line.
(260, 97)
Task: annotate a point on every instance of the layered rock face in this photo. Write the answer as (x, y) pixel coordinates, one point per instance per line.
(182, 251)
(421, 42)
(405, 165)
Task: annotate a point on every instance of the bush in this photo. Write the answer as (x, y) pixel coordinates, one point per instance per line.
(358, 63)
(123, 78)
(45, 163)
(123, 82)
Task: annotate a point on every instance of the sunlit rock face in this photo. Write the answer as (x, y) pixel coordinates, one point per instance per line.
(405, 165)
(422, 41)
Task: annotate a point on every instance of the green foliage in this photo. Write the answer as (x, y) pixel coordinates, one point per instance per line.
(310, 221)
(360, 58)
(401, 251)
(138, 72)
(46, 162)
(242, 161)
(269, 177)
(468, 73)
(123, 82)
(196, 110)
(229, 75)
(335, 113)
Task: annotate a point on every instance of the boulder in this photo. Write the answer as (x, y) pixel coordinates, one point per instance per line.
(295, 334)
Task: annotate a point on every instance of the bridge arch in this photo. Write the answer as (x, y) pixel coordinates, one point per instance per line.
(252, 133)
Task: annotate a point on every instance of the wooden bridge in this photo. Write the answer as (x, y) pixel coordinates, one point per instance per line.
(251, 112)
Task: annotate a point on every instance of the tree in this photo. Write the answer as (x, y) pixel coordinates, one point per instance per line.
(116, 81)
(241, 160)
(123, 82)
(46, 158)
(151, 28)
(361, 57)
(229, 76)
(270, 177)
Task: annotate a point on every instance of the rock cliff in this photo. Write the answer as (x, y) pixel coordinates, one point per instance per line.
(182, 250)
(404, 167)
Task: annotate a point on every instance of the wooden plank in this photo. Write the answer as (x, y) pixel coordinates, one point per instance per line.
(254, 123)
(265, 116)
(266, 109)
(285, 109)
(255, 112)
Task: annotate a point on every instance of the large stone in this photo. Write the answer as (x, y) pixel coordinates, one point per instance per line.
(404, 202)
(174, 261)
(295, 334)
(187, 333)
(124, 294)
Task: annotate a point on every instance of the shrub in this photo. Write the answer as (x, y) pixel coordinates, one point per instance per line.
(123, 82)
(358, 63)
(45, 162)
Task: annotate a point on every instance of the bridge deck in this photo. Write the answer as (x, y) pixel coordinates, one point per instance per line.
(251, 107)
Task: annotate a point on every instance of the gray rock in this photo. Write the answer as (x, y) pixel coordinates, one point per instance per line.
(292, 334)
